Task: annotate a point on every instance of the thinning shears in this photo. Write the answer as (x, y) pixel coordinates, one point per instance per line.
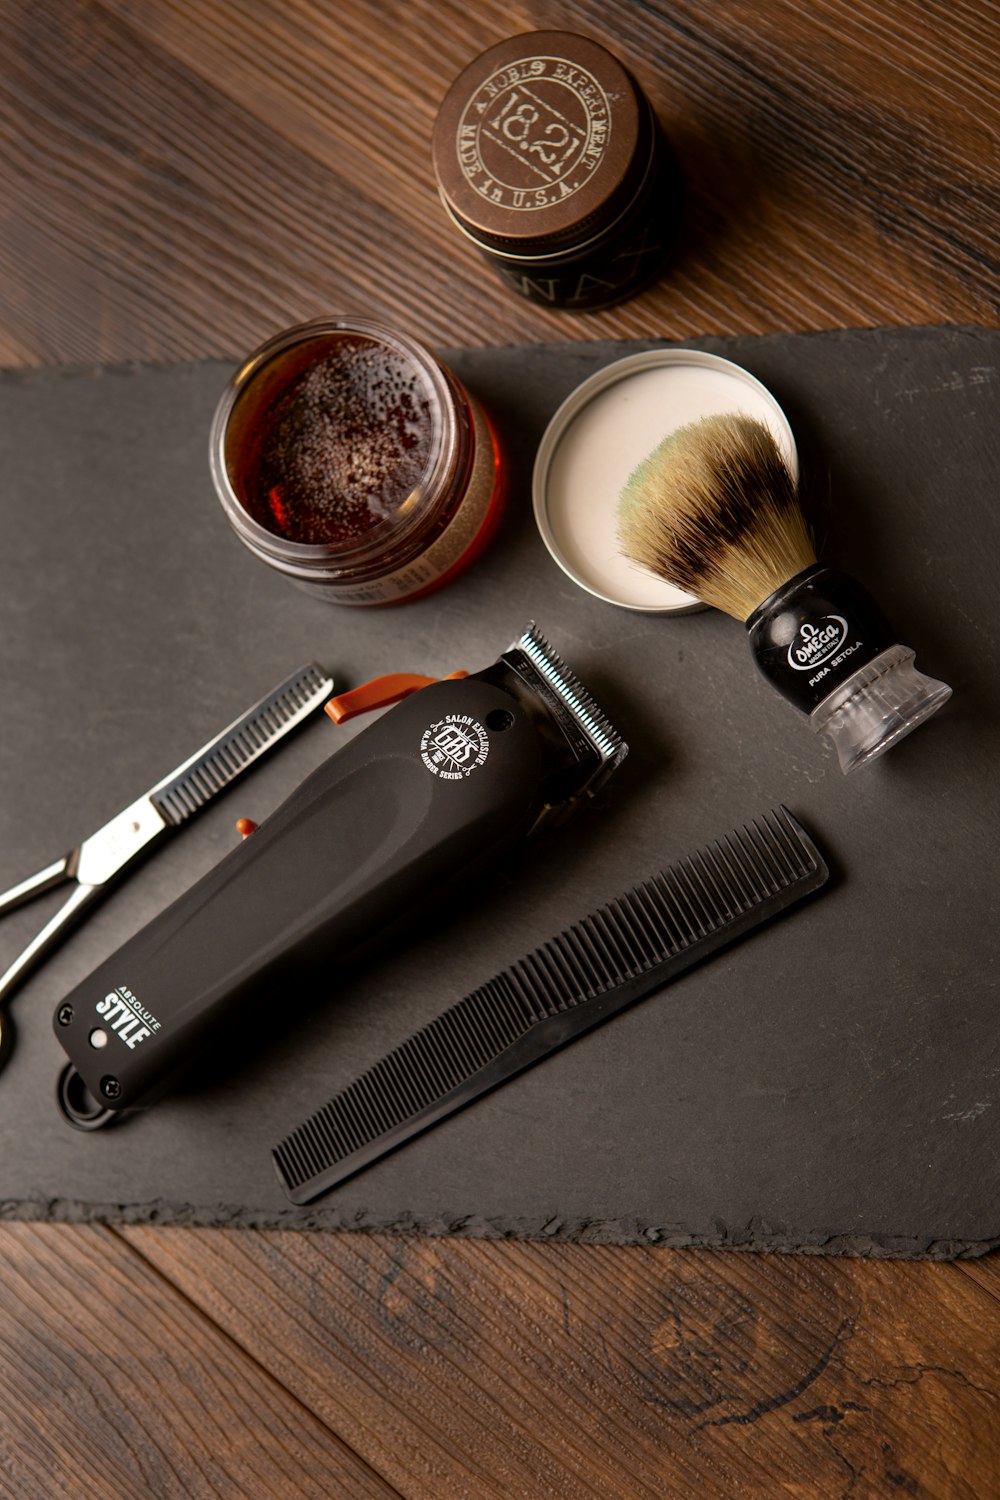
(97, 862)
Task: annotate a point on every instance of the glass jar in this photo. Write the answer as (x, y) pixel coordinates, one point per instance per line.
(349, 458)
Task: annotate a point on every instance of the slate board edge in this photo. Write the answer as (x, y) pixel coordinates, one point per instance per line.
(750, 1237)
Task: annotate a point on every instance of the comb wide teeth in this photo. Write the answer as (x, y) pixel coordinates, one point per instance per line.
(571, 690)
(633, 944)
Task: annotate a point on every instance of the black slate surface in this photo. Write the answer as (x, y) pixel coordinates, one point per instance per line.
(831, 1084)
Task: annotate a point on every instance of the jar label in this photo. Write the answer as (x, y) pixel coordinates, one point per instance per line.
(534, 133)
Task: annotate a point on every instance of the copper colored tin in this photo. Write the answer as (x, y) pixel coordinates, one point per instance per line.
(550, 159)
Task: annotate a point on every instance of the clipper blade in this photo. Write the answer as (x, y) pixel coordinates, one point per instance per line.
(620, 953)
(555, 681)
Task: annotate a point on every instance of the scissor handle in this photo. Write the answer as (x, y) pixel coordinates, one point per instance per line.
(52, 875)
(73, 907)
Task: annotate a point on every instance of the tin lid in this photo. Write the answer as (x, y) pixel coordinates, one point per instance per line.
(541, 142)
(598, 436)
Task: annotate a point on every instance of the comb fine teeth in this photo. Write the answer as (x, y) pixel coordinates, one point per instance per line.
(219, 762)
(616, 955)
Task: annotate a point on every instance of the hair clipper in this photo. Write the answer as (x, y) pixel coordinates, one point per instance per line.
(438, 787)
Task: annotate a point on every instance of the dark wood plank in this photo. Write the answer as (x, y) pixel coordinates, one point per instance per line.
(465, 1369)
(180, 180)
(113, 1383)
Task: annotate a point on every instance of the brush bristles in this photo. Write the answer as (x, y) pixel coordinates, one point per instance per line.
(714, 511)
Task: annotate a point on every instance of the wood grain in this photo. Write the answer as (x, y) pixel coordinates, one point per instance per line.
(114, 1384)
(180, 178)
(467, 1370)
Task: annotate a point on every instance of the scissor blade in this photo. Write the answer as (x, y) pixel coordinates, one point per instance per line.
(106, 853)
(219, 762)
(173, 800)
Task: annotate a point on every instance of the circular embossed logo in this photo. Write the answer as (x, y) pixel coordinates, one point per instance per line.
(534, 133)
(454, 747)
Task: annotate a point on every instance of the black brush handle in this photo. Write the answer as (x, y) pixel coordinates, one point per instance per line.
(428, 795)
(814, 633)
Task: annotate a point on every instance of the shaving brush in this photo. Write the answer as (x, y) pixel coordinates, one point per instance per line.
(714, 510)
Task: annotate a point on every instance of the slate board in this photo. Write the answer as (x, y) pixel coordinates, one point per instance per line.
(830, 1084)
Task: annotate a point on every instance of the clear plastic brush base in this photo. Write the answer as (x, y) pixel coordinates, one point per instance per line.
(882, 702)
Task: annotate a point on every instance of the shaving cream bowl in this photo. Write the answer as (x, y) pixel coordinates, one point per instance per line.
(598, 436)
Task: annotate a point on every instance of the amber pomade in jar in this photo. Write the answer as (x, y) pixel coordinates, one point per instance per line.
(351, 459)
(549, 158)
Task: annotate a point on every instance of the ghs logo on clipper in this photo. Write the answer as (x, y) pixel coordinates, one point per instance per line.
(454, 747)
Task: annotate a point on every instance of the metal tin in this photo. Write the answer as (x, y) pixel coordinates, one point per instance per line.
(598, 436)
(549, 157)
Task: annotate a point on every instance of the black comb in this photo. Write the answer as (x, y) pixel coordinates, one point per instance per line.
(621, 952)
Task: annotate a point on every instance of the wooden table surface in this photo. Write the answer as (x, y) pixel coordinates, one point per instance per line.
(179, 178)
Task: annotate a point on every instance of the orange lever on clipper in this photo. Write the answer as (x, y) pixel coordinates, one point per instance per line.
(380, 692)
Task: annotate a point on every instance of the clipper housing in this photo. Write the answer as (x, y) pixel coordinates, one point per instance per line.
(438, 788)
